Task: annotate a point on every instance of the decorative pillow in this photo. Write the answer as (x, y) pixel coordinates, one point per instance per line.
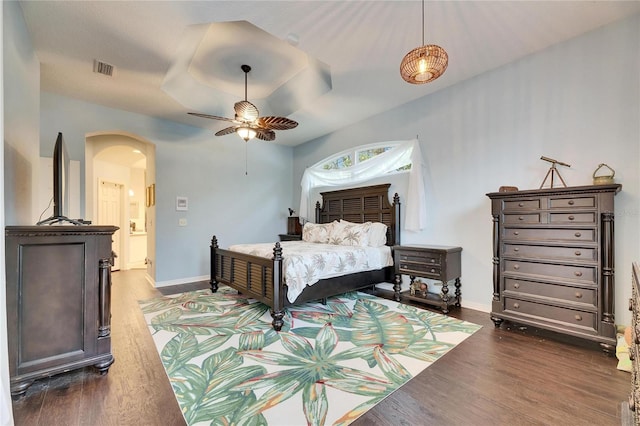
(317, 232)
(377, 234)
(350, 234)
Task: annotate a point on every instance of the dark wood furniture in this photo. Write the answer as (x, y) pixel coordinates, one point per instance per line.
(634, 347)
(441, 263)
(290, 237)
(553, 260)
(294, 227)
(262, 278)
(58, 300)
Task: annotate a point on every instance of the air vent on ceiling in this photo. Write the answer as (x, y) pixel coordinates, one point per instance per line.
(103, 68)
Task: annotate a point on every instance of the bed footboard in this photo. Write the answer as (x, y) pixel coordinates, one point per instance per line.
(256, 277)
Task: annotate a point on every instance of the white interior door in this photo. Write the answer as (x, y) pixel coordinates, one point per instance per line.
(110, 213)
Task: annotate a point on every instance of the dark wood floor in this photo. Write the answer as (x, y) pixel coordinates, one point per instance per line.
(505, 376)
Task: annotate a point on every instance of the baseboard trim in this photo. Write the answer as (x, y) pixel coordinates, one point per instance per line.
(181, 281)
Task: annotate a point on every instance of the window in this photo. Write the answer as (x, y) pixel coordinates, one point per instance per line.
(358, 155)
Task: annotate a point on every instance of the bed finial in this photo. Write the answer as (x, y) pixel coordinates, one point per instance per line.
(214, 242)
(277, 252)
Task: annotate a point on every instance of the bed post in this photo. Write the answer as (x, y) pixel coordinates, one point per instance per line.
(277, 313)
(213, 282)
(318, 211)
(396, 231)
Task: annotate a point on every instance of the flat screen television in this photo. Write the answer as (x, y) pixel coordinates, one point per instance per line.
(60, 185)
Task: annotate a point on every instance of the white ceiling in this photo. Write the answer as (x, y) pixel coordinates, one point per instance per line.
(362, 42)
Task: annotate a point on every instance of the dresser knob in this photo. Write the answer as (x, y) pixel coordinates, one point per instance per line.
(433, 261)
(516, 233)
(571, 202)
(578, 295)
(578, 317)
(578, 235)
(578, 274)
(571, 217)
(521, 218)
(433, 270)
(516, 249)
(516, 267)
(516, 305)
(578, 253)
(520, 204)
(516, 285)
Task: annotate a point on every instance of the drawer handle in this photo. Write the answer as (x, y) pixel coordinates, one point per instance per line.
(516, 233)
(578, 235)
(520, 218)
(571, 202)
(433, 270)
(516, 249)
(433, 261)
(577, 273)
(520, 204)
(571, 217)
(578, 295)
(516, 305)
(578, 317)
(578, 253)
(516, 267)
(516, 285)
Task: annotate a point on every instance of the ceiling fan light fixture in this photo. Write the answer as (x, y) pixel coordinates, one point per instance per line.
(425, 63)
(246, 133)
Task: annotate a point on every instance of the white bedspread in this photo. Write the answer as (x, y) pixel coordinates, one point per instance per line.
(307, 263)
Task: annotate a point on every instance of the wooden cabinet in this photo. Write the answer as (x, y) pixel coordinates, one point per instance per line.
(553, 260)
(58, 300)
(440, 263)
(290, 237)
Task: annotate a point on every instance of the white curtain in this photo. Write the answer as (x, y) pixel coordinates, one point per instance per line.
(406, 152)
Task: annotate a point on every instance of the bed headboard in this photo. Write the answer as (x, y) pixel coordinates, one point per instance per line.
(359, 205)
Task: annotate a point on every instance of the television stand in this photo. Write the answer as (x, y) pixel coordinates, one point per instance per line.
(60, 219)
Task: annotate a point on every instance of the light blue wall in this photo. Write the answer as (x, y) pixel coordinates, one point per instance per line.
(190, 162)
(578, 101)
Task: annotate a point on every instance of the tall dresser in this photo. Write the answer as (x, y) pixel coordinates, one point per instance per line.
(58, 300)
(553, 260)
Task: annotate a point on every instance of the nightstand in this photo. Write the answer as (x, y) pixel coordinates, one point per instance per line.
(290, 237)
(440, 263)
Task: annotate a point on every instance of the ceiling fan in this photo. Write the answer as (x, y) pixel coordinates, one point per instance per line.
(247, 122)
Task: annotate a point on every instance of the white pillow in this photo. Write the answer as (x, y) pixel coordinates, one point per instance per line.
(377, 234)
(350, 234)
(317, 232)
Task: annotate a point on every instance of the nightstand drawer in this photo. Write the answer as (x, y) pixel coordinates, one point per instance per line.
(421, 269)
(418, 256)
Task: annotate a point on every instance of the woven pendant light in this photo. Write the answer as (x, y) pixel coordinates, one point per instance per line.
(425, 63)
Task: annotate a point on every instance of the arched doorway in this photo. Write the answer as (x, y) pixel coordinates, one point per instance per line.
(119, 160)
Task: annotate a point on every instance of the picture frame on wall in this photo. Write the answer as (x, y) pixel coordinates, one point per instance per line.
(182, 203)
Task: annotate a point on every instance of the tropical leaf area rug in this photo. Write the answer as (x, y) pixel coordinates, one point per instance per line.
(328, 365)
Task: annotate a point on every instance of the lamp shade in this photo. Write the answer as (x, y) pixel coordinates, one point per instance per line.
(246, 133)
(424, 64)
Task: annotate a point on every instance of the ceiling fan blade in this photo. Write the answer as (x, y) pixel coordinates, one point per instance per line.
(213, 117)
(276, 123)
(245, 111)
(226, 131)
(265, 134)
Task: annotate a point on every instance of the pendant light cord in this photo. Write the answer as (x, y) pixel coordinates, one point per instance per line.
(422, 34)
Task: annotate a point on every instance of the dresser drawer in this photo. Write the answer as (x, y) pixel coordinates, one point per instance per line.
(522, 218)
(564, 202)
(550, 234)
(587, 296)
(529, 204)
(588, 217)
(551, 252)
(549, 313)
(586, 274)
